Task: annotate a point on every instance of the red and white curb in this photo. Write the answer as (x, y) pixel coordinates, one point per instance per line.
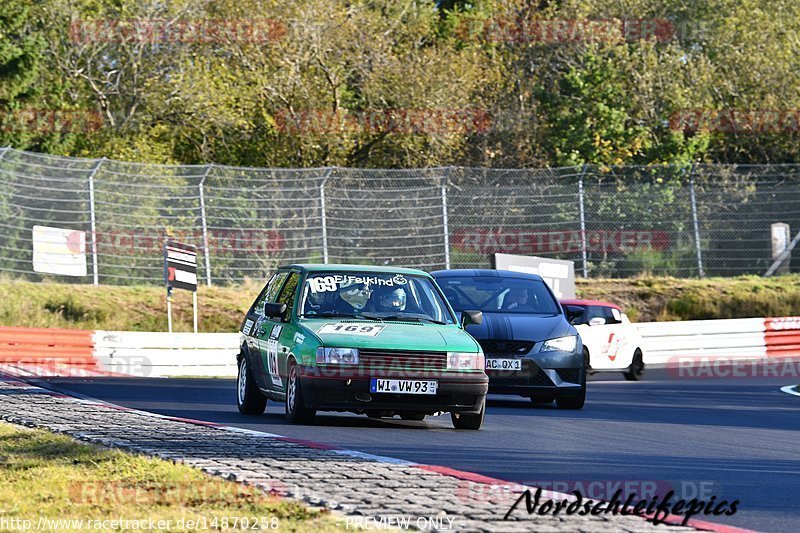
(471, 477)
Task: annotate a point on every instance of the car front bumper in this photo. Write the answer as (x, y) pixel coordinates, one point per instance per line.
(557, 374)
(342, 390)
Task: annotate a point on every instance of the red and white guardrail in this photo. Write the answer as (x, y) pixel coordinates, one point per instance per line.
(63, 352)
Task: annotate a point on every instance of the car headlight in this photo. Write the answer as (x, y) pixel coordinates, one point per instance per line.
(465, 361)
(337, 356)
(562, 344)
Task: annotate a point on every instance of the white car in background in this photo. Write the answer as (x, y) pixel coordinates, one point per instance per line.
(611, 343)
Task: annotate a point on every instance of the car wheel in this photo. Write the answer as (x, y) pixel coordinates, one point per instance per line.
(249, 399)
(469, 420)
(636, 370)
(412, 416)
(296, 410)
(574, 402)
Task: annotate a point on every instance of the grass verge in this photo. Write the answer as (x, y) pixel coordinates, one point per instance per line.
(136, 308)
(52, 477)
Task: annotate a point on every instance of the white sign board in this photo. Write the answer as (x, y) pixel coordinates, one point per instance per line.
(59, 251)
(558, 274)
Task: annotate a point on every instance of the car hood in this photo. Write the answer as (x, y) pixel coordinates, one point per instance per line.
(396, 336)
(515, 326)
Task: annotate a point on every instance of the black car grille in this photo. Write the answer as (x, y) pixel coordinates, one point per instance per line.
(530, 375)
(506, 347)
(571, 375)
(397, 361)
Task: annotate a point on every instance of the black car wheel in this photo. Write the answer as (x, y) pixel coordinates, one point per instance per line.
(249, 399)
(469, 420)
(636, 370)
(574, 402)
(296, 410)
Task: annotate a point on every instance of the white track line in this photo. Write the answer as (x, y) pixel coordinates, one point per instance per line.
(791, 389)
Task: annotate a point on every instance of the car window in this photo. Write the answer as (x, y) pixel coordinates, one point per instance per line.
(508, 295)
(288, 292)
(612, 315)
(379, 295)
(579, 320)
(594, 311)
(270, 292)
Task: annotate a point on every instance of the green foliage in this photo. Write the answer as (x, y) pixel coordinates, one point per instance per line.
(549, 100)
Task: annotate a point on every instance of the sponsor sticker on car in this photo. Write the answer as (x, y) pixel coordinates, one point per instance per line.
(366, 330)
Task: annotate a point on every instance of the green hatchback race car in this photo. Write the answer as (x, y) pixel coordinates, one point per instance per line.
(380, 341)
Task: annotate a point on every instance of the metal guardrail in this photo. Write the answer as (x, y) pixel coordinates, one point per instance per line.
(619, 221)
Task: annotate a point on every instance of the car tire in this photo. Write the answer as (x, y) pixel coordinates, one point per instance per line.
(635, 372)
(574, 402)
(418, 417)
(469, 420)
(297, 412)
(249, 399)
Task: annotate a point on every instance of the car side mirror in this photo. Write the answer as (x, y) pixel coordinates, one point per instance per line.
(274, 310)
(573, 313)
(597, 321)
(471, 317)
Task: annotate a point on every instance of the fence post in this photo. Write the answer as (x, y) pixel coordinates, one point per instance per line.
(206, 253)
(93, 221)
(324, 216)
(697, 246)
(446, 228)
(583, 222)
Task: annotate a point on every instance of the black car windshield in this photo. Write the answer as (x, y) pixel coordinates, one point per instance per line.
(496, 294)
(373, 296)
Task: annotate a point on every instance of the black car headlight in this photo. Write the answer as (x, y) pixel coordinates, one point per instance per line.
(560, 344)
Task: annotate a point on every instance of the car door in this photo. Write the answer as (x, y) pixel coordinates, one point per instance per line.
(255, 323)
(613, 337)
(593, 332)
(271, 335)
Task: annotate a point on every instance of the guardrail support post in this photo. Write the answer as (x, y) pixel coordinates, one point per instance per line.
(323, 215)
(446, 229)
(583, 223)
(206, 254)
(697, 246)
(93, 221)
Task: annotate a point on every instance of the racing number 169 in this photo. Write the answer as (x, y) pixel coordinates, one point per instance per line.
(352, 329)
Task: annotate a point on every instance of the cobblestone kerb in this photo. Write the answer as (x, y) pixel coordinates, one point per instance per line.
(350, 484)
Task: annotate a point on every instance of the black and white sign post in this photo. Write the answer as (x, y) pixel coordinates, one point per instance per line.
(180, 272)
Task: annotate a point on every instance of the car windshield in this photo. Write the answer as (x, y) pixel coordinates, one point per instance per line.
(495, 294)
(373, 296)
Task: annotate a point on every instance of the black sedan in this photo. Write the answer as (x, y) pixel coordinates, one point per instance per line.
(530, 347)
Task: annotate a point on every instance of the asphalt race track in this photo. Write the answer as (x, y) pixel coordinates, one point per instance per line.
(734, 438)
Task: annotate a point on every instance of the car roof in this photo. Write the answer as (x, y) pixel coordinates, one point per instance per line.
(484, 272)
(597, 303)
(318, 267)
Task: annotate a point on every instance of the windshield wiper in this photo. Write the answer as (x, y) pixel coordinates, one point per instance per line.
(401, 318)
(329, 314)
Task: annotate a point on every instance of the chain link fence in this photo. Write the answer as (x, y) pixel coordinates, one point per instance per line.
(711, 220)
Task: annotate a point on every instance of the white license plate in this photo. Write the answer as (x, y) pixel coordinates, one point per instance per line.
(403, 386)
(503, 364)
